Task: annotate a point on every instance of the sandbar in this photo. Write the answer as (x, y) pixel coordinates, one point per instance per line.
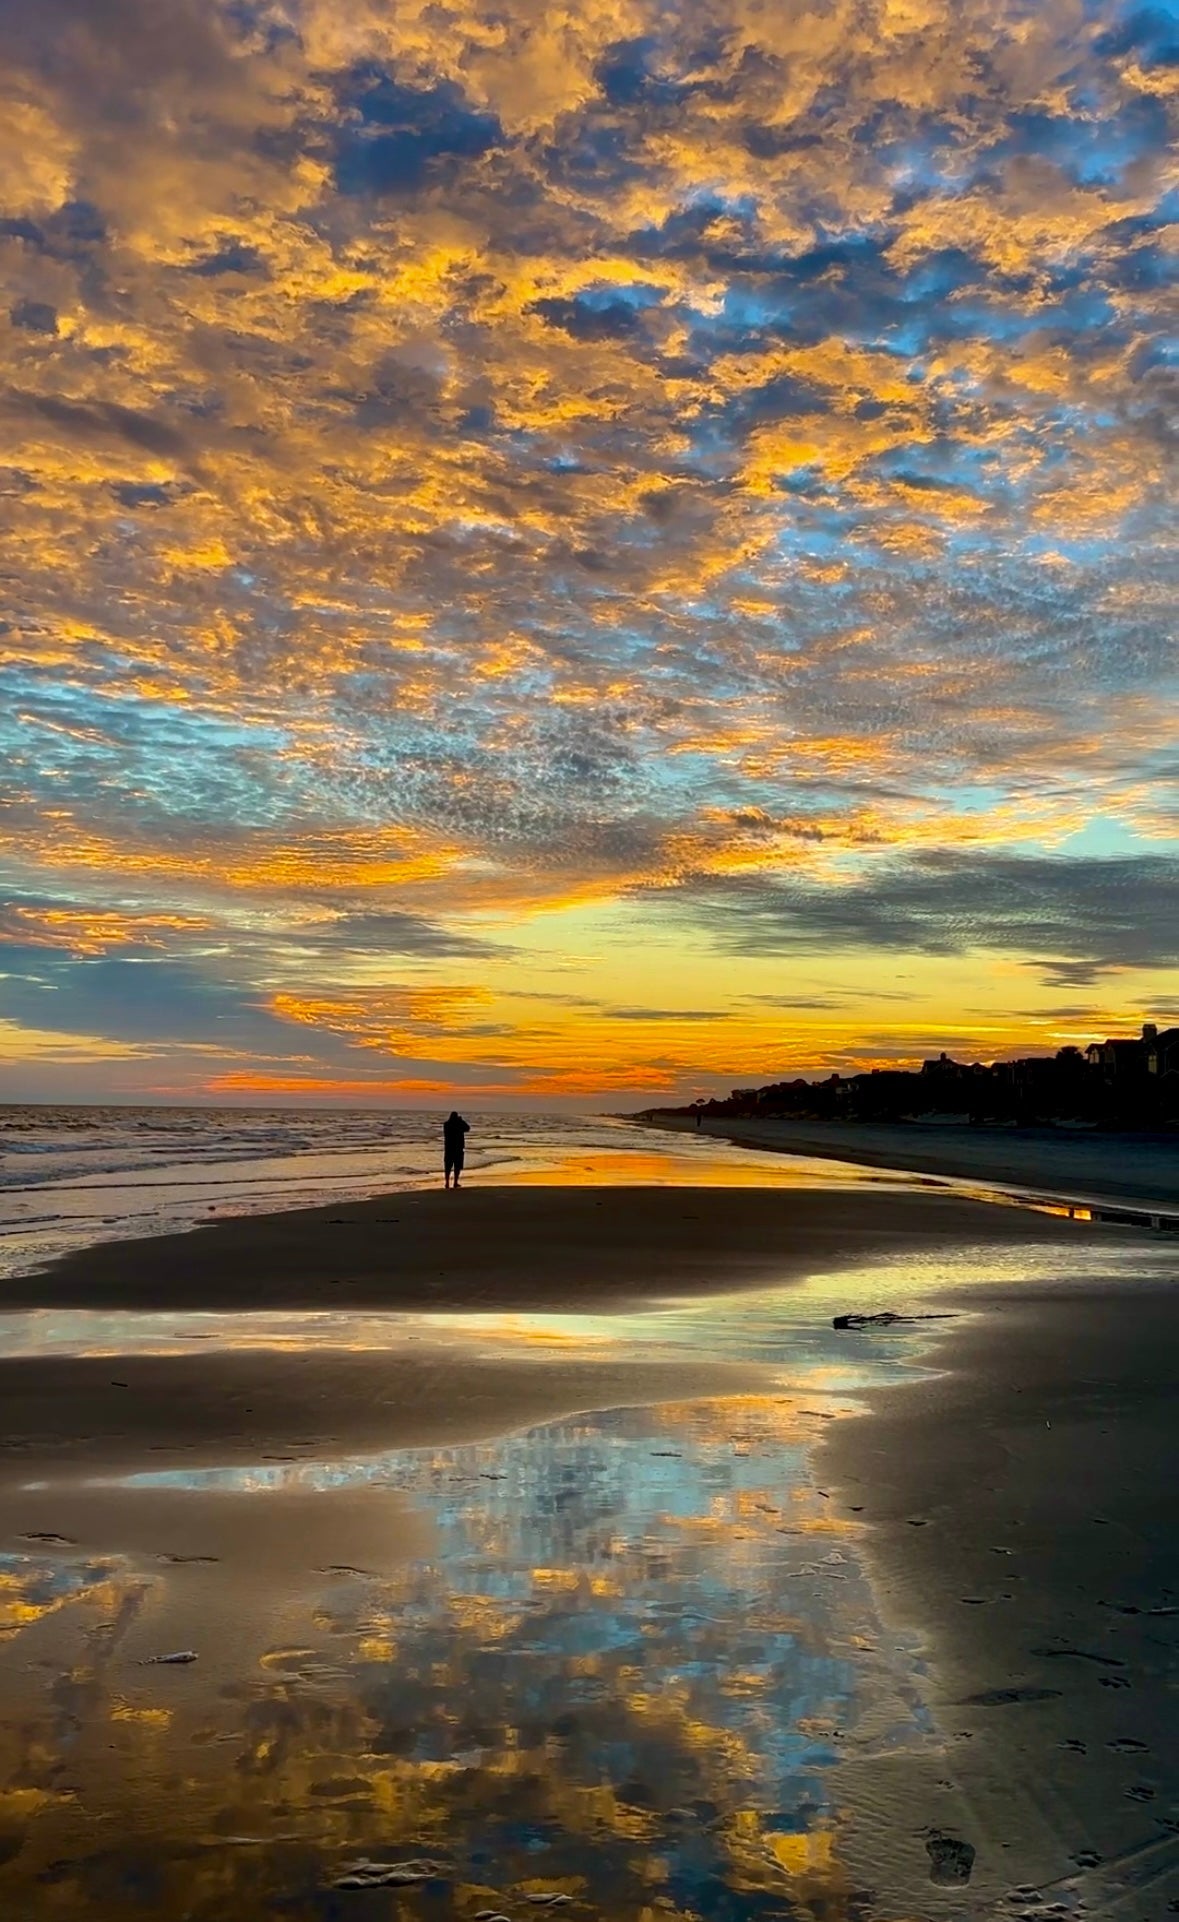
(559, 1248)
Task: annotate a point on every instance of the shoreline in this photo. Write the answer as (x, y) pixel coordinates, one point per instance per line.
(1010, 1502)
(252, 1388)
(1036, 1164)
(514, 1248)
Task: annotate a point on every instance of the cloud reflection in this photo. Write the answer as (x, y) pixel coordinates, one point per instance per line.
(638, 1648)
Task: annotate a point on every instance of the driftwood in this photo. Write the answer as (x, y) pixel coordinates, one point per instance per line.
(886, 1319)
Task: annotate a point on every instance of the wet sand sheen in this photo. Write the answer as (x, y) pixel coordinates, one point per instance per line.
(1022, 1520)
(933, 1483)
(102, 1415)
(564, 1249)
(571, 1248)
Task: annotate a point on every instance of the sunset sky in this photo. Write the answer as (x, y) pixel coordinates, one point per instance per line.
(574, 553)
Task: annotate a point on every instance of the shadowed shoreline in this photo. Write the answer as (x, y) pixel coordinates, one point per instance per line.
(1139, 1170)
(561, 1248)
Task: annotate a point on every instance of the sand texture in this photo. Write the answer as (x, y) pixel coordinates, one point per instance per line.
(516, 1248)
(488, 1639)
(107, 1415)
(1022, 1522)
(1137, 1169)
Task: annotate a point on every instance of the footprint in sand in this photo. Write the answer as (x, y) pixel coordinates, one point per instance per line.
(950, 1860)
(1001, 1697)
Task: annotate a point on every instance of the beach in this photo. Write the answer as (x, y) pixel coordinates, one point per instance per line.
(491, 1251)
(1081, 1165)
(1022, 1519)
(547, 1541)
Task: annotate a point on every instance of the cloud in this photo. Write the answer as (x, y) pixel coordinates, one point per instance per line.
(106, 420)
(395, 138)
(160, 1001)
(469, 465)
(391, 932)
(1077, 919)
(35, 315)
(669, 1014)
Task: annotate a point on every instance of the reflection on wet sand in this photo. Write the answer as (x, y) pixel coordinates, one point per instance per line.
(627, 1658)
(613, 1660)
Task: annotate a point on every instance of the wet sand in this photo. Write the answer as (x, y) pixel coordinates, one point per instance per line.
(561, 1248)
(1141, 1170)
(1017, 1513)
(106, 1415)
(1022, 1522)
(501, 1250)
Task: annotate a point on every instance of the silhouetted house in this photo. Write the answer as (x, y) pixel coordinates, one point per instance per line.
(877, 1095)
(1119, 1062)
(1162, 1067)
(950, 1087)
(1162, 1050)
(944, 1066)
(1115, 1083)
(1043, 1087)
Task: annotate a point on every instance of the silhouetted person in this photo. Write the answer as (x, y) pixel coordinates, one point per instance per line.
(454, 1145)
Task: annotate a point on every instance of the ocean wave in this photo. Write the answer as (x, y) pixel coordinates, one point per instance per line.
(70, 1176)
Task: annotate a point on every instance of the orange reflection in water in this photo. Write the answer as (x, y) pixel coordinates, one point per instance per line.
(644, 1168)
(617, 1672)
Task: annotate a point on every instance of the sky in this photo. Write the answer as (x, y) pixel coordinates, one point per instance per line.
(575, 554)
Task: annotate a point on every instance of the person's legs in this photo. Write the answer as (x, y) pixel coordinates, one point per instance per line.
(458, 1169)
(449, 1169)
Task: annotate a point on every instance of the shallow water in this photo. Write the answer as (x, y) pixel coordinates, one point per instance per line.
(614, 1659)
(618, 1664)
(621, 1658)
(72, 1176)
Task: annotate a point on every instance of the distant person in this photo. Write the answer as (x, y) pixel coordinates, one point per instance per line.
(454, 1145)
(699, 1118)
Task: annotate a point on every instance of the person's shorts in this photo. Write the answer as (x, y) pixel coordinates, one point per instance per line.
(453, 1165)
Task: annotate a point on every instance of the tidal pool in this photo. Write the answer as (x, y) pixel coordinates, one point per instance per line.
(619, 1664)
(613, 1660)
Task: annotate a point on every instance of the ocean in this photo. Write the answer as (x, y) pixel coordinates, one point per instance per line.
(70, 1176)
